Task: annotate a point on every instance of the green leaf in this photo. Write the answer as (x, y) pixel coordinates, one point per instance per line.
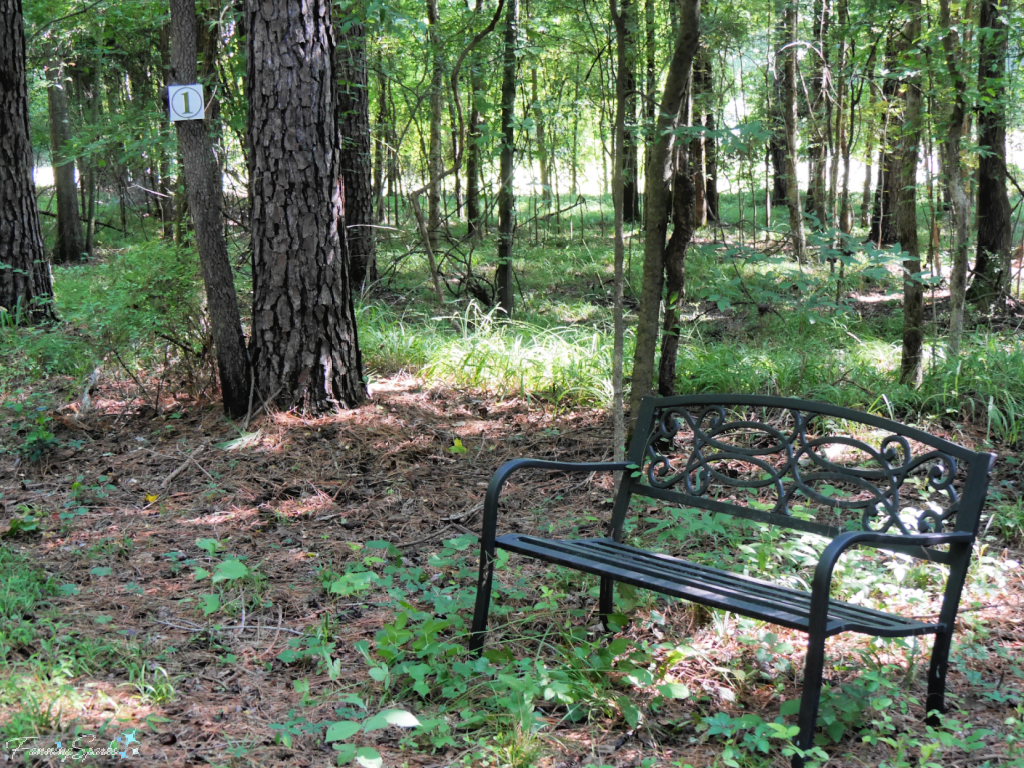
(458, 447)
(230, 570)
(201, 573)
(101, 571)
(346, 753)
(674, 691)
(629, 712)
(836, 730)
(397, 717)
(790, 707)
(211, 604)
(212, 546)
(68, 589)
(344, 729)
(369, 758)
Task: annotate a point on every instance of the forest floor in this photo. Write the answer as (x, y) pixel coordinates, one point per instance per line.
(116, 516)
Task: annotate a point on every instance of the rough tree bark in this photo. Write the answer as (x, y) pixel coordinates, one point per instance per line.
(796, 217)
(505, 278)
(541, 134)
(25, 287)
(952, 167)
(356, 159)
(906, 212)
(203, 185)
(656, 198)
(304, 347)
(70, 244)
(991, 282)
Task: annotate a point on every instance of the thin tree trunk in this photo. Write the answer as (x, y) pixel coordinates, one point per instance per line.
(796, 220)
(505, 277)
(542, 147)
(684, 200)
(70, 244)
(656, 198)
(991, 282)
(953, 175)
(475, 132)
(620, 20)
(305, 349)
(380, 143)
(356, 159)
(906, 213)
(435, 157)
(205, 204)
(630, 161)
(883, 219)
(817, 149)
(699, 94)
(93, 182)
(710, 147)
(25, 288)
(777, 108)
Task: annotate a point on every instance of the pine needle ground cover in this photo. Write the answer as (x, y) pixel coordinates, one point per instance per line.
(299, 593)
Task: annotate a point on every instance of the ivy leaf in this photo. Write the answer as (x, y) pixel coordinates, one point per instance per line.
(674, 691)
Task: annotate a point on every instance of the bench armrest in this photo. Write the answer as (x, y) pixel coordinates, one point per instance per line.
(822, 584)
(498, 480)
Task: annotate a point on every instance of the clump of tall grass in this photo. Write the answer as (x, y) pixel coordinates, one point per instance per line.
(476, 349)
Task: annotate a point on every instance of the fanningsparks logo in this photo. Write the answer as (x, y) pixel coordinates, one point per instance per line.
(79, 748)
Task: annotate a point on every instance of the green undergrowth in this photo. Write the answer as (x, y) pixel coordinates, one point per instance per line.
(762, 325)
(46, 664)
(548, 669)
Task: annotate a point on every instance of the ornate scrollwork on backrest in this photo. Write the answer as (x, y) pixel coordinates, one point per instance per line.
(783, 461)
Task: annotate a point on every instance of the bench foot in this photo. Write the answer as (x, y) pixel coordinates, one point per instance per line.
(808, 718)
(606, 603)
(483, 602)
(936, 701)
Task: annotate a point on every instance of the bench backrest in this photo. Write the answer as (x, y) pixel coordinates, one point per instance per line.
(794, 463)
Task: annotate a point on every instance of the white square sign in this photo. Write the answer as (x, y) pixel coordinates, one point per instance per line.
(186, 102)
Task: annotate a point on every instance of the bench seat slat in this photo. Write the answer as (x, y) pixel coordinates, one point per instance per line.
(709, 586)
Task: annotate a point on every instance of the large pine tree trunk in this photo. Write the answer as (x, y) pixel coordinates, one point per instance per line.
(356, 161)
(205, 194)
(304, 348)
(25, 287)
(991, 282)
(657, 196)
(906, 213)
(70, 240)
(505, 278)
(796, 216)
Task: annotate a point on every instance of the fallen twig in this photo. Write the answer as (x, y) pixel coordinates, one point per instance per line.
(184, 465)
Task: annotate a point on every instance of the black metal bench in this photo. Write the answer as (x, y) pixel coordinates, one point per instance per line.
(782, 462)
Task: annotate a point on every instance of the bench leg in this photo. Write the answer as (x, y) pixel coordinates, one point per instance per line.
(937, 676)
(606, 603)
(483, 602)
(808, 719)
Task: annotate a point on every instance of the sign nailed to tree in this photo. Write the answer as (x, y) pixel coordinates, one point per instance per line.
(186, 102)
